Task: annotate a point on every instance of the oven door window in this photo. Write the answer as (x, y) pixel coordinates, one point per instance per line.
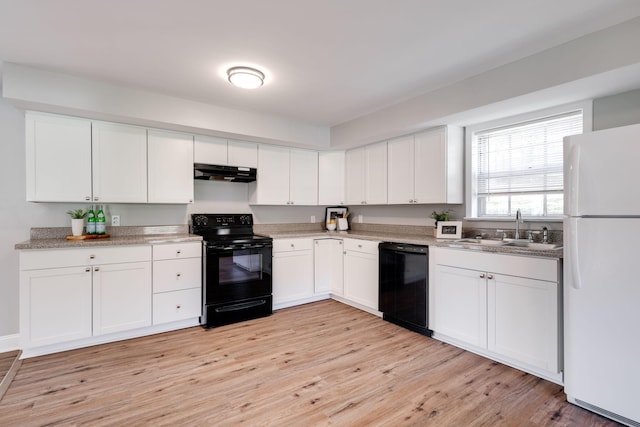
(240, 267)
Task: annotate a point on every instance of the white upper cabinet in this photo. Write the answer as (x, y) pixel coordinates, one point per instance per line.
(170, 167)
(219, 151)
(58, 153)
(331, 177)
(285, 177)
(119, 159)
(427, 167)
(366, 171)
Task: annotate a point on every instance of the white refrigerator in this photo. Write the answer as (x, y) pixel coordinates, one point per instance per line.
(602, 272)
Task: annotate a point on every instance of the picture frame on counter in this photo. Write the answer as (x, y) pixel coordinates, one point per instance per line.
(449, 230)
(335, 212)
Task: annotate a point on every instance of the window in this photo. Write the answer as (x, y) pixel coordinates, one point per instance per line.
(518, 164)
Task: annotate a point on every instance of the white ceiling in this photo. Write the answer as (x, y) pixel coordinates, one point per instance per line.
(326, 61)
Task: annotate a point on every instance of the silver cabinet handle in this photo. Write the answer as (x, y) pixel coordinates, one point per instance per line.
(293, 246)
(92, 257)
(178, 306)
(87, 198)
(482, 276)
(178, 252)
(489, 276)
(178, 274)
(88, 269)
(359, 246)
(96, 198)
(96, 269)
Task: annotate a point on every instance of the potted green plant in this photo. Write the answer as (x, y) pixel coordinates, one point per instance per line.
(439, 216)
(77, 221)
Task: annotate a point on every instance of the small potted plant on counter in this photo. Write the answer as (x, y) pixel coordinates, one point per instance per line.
(439, 216)
(77, 221)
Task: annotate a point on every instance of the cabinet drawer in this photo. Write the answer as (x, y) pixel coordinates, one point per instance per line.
(367, 246)
(177, 250)
(288, 245)
(176, 305)
(177, 274)
(54, 258)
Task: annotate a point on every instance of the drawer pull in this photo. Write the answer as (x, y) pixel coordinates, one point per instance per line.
(178, 307)
(178, 274)
(92, 257)
(88, 269)
(292, 245)
(178, 252)
(359, 246)
(96, 269)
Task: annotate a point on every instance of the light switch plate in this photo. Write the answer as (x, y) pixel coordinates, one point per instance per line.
(115, 220)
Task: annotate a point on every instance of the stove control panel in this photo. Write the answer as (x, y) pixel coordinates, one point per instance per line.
(218, 220)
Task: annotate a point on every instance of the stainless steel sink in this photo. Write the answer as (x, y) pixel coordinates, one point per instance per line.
(521, 243)
(481, 242)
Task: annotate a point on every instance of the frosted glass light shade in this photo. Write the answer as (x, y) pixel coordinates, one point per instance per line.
(245, 77)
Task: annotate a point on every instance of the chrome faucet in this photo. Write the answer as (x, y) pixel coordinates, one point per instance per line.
(518, 222)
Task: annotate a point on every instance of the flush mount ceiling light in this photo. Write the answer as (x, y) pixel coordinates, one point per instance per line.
(245, 77)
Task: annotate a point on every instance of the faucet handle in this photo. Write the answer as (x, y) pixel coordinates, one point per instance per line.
(504, 233)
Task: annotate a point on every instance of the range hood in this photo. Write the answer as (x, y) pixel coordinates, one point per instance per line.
(223, 173)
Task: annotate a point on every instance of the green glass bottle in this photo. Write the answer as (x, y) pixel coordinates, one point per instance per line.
(91, 221)
(101, 222)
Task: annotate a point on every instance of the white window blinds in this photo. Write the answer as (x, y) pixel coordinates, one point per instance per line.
(522, 162)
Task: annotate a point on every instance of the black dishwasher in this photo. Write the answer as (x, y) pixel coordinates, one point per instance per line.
(404, 285)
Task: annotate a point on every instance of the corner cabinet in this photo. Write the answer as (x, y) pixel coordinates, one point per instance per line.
(366, 175)
(285, 177)
(361, 273)
(505, 307)
(426, 167)
(170, 167)
(329, 266)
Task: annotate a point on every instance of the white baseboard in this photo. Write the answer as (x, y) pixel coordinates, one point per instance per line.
(9, 342)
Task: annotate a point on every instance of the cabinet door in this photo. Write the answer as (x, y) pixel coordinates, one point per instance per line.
(122, 297)
(303, 178)
(292, 276)
(328, 266)
(272, 186)
(431, 166)
(119, 159)
(55, 305)
(401, 170)
(331, 183)
(523, 320)
(58, 153)
(361, 278)
(170, 167)
(376, 174)
(458, 307)
(242, 153)
(354, 171)
(210, 150)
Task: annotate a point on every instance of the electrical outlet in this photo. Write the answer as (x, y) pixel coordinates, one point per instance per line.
(313, 219)
(115, 220)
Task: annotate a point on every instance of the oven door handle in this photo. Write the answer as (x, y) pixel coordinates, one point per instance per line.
(240, 306)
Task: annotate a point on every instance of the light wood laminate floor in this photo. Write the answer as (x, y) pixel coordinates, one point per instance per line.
(318, 364)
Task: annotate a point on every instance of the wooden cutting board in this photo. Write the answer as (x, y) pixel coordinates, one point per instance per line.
(89, 236)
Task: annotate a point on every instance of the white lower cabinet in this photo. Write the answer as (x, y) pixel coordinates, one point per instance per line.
(361, 272)
(292, 272)
(329, 266)
(121, 297)
(503, 306)
(76, 297)
(69, 294)
(177, 281)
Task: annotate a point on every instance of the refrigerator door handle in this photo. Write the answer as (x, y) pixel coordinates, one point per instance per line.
(573, 252)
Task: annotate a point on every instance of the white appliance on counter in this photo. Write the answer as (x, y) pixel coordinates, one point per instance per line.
(602, 272)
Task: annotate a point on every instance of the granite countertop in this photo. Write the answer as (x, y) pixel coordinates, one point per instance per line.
(55, 237)
(419, 238)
